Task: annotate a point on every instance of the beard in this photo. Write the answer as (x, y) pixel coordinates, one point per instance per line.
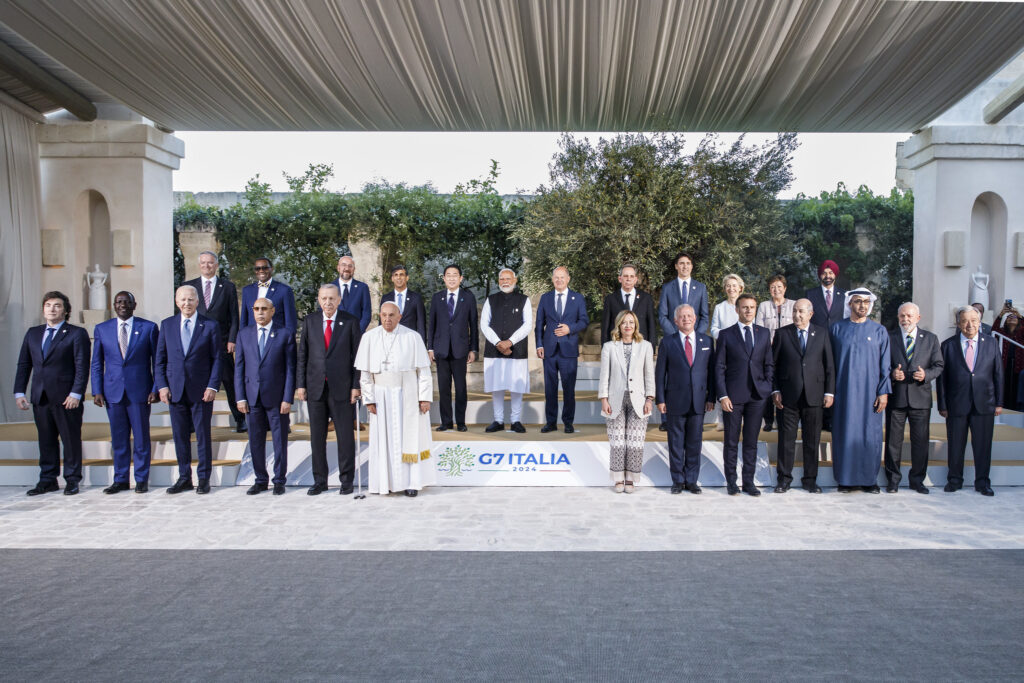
(827, 281)
(507, 289)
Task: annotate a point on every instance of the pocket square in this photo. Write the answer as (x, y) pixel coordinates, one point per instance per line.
(705, 348)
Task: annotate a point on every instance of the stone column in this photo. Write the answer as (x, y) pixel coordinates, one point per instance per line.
(193, 242)
(369, 269)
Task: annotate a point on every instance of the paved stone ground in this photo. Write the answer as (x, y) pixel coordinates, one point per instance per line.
(514, 519)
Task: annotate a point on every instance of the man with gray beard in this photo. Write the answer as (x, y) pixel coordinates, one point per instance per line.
(506, 320)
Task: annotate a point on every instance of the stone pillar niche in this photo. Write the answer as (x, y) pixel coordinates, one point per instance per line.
(93, 242)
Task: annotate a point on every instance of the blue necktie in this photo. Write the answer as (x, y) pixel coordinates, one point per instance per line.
(50, 331)
(451, 305)
(803, 341)
(684, 292)
(186, 336)
(263, 341)
(558, 307)
(400, 308)
(747, 338)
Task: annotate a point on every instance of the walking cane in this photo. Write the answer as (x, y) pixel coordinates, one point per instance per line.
(359, 468)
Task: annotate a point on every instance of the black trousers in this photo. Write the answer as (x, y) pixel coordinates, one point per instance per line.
(57, 425)
(337, 406)
(895, 419)
(809, 420)
(260, 420)
(746, 416)
(227, 377)
(981, 428)
(769, 412)
(449, 369)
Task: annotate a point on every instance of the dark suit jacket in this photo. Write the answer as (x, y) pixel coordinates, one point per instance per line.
(315, 364)
(910, 393)
(414, 313)
(670, 299)
(280, 294)
(959, 389)
(357, 302)
(65, 370)
(821, 317)
(191, 374)
(741, 374)
(453, 338)
(812, 374)
(643, 307)
(114, 377)
(271, 380)
(682, 388)
(574, 314)
(223, 307)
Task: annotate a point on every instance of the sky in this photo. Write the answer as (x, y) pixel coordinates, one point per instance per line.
(216, 162)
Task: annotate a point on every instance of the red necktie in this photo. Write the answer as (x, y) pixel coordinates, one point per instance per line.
(689, 352)
(327, 335)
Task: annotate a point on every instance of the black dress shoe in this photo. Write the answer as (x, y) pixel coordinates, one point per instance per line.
(813, 488)
(256, 488)
(985, 491)
(950, 488)
(920, 488)
(569, 429)
(732, 489)
(548, 428)
(462, 428)
(442, 428)
(494, 427)
(663, 427)
(781, 488)
(845, 489)
(518, 428)
(71, 489)
(278, 489)
(752, 491)
(240, 426)
(316, 489)
(892, 488)
(182, 484)
(411, 493)
(116, 487)
(871, 489)
(693, 488)
(41, 488)
(677, 488)
(204, 486)
(142, 487)
(768, 426)
(346, 489)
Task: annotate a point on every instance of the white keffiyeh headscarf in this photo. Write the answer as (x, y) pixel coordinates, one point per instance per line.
(860, 291)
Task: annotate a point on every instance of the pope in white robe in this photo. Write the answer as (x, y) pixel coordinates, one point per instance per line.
(397, 389)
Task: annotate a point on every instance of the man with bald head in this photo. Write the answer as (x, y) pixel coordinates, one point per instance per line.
(355, 295)
(187, 368)
(561, 319)
(916, 361)
(265, 389)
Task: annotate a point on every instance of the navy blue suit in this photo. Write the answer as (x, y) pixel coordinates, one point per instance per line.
(280, 294)
(671, 299)
(414, 313)
(356, 302)
(265, 383)
(970, 399)
(685, 389)
(125, 384)
(451, 338)
(188, 375)
(561, 354)
(744, 375)
(826, 316)
(64, 371)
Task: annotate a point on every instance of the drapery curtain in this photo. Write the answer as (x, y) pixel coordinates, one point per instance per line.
(20, 257)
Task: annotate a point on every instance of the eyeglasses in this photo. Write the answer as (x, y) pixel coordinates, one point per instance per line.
(259, 268)
(261, 308)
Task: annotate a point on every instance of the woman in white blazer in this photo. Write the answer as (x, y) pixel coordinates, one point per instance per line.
(627, 397)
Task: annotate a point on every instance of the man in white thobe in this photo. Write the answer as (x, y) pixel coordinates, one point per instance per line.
(506, 321)
(397, 389)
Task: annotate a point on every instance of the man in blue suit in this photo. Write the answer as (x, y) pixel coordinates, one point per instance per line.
(56, 355)
(452, 341)
(561, 317)
(743, 376)
(683, 290)
(410, 303)
(265, 287)
(685, 389)
(355, 295)
(265, 390)
(123, 357)
(970, 394)
(187, 375)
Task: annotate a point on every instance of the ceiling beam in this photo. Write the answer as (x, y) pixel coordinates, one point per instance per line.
(1011, 97)
(29, 73)
(20, 107)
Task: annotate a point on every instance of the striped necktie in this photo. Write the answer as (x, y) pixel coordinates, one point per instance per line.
(122, 339)
(910, 348)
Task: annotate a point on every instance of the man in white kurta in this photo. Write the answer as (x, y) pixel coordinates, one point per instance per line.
(397, 389)
(506, 321)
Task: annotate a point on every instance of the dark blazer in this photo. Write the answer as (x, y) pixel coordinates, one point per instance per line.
(670, 299)
(453, 338)
(812, 374)
(741, 374)
(910, 393)
(357, 302)
(315, 364)
(223, 307)
(65, 370)
(192, 374)
(682, 388)
(574, 314)
(114, 377)
(959, 389)
(414, 313)
(280, 294)
(270, 380)
(821, 317)
(643, 307)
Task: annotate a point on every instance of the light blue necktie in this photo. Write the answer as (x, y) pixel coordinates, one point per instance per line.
(263, 341)
(186, 336)
(50, 331)
(401, 307)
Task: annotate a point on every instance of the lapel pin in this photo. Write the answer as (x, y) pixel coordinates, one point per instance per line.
(271, 335)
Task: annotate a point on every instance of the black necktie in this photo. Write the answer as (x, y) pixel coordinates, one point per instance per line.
(747, 338)
(558, 306)
(803, 341)
(627, 303)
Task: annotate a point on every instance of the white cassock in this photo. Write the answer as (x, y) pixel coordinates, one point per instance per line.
(506, 374)
(395, 377)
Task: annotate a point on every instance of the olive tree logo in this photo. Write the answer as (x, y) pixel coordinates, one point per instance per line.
(456, 460)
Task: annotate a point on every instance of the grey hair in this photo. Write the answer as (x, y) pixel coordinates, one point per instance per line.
(675, 313)
(964, 309)
(195, 292)
(908, 303)
(329, 285)
(628, 265)
(211, 253)
(558, 268)
(507, 270)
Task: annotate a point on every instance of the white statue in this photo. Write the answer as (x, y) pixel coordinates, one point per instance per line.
(979, 288)
(96, 280)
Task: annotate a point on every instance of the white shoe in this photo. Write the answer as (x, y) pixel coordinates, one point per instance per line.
(619, 487)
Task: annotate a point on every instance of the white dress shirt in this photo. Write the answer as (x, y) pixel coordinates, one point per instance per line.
(632, 297)
(455, 301)
(262, 288)
(405, 299)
